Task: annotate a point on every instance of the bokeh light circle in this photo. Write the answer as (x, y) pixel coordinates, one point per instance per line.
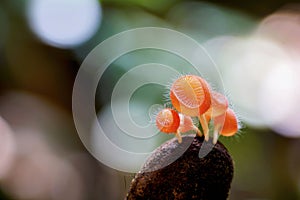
(280, 94)
(93, 67)
(248, 62)
(64, 23)
(125, 88)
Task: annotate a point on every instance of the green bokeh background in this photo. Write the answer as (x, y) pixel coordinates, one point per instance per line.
(266, 164)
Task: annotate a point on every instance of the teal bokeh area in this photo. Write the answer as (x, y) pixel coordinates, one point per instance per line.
(255, 46)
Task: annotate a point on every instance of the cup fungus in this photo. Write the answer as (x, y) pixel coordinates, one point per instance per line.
(169, 121)
(190, 95)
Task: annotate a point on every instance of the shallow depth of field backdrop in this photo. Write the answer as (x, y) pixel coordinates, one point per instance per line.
(256, 46)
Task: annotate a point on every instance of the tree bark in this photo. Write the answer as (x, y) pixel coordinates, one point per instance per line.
(189, 177)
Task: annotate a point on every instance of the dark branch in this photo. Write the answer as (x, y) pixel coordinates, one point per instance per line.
(189, 177)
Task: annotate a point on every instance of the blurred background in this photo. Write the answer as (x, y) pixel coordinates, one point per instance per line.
(255, 45)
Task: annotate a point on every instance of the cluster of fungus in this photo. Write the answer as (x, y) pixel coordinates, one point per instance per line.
(191, 96)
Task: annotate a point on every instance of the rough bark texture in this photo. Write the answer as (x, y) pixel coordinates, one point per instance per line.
(189, 177)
